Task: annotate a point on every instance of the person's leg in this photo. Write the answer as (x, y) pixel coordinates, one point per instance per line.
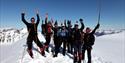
(71, 43)
(64, 46)
(56, 47)
(29, 44)
(39, 45)
(75, 57)
(89, 54)
(75, 51)
(83, 52)
(80, 51)
(68, 45)
(48, 37)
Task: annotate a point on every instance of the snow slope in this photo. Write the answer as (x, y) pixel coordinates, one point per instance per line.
(111, 47)
(107, 49)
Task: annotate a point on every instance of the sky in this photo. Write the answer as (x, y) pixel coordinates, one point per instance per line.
(112, 12)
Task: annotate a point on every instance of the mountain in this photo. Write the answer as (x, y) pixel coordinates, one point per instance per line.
(11, 35)
(105, 32)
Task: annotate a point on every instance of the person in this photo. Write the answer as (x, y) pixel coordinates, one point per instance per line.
(70, 38)
(57, 42)
(77, 44)
(62, 34)
(89, 42)
(32, 36)
(48, 34)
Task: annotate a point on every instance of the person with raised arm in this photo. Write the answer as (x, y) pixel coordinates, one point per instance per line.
(77, 41)
(32, 33)
(48, 32)
(89, 40)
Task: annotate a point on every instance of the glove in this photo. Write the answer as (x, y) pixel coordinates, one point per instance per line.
(23, 13)
(81, 20)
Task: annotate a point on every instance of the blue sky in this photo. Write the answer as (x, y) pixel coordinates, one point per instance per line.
(112, 12)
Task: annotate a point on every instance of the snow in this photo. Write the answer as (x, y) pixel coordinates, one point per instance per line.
(107, 49)
(111, 47)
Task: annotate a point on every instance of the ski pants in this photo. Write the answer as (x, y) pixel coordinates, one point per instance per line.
(57, 44)
(70, 44)
(88, 48)
(64, 41)
(48, 38)
(32, 38)
(77, 49)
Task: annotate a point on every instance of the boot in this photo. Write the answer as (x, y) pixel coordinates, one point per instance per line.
(63, 53)
(46, 48)
(30, 53)
(55, 55)
(42, 51)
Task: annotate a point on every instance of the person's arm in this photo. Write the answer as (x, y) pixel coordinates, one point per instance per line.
(97, 26)
(38, 19)
(46, 18)
(65, 24)
(23, 18)
(82, 24)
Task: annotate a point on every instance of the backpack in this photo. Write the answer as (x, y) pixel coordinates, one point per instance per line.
(89, 39)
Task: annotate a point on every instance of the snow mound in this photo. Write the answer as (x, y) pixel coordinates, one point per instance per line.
(49, 58)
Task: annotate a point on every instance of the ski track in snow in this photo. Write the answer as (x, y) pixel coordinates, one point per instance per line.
(13, 53)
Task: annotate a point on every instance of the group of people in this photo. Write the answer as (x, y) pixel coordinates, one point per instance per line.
(74, 39)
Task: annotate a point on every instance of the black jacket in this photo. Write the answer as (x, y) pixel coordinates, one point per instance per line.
(89, 38)
(32, 28)
(77, 33)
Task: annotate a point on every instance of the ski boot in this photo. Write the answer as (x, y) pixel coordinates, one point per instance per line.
(30, 53)
(46, 48)
(42, 51)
